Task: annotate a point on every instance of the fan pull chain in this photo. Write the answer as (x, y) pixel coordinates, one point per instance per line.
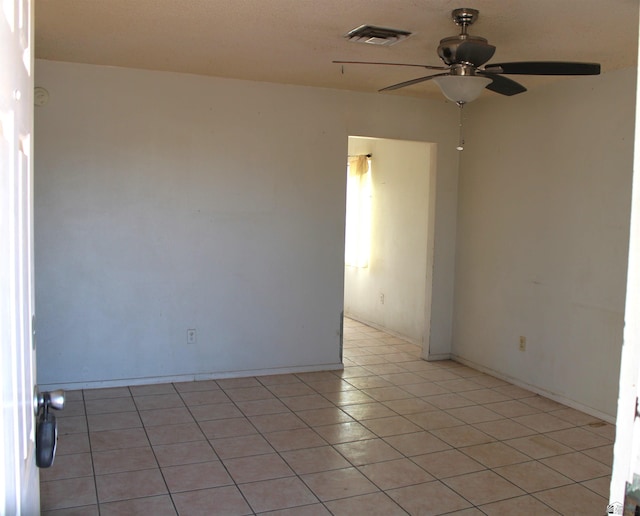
(460, 146)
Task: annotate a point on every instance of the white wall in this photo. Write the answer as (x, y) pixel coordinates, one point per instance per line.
(400, 173)
(542, 242)
(165, 202)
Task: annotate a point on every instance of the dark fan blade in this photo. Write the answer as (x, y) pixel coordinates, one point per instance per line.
(503, 85)
(544, 68)
(428, 67)
(474, 52)
(411, 82)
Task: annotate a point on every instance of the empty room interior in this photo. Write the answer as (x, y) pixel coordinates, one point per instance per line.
(192, 296)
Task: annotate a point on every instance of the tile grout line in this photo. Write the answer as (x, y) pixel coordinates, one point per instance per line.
(93, 466)
(153, 451)
(213, 448)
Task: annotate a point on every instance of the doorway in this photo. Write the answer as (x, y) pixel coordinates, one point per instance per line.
(391, 288)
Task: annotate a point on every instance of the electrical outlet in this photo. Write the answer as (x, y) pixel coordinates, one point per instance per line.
(523, 343)
(192, 336)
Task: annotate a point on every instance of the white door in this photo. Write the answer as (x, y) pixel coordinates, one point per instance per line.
(19, 490)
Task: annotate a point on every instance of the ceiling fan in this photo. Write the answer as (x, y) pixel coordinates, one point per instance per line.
(463, 79)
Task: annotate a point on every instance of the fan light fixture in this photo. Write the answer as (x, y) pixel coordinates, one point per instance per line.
(462, 88)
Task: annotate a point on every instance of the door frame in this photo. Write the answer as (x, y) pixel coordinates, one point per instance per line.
(626, 451)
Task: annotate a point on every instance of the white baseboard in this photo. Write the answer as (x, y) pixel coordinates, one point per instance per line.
(382, 328)
(126, 382)
(435, 357)
(542, 392)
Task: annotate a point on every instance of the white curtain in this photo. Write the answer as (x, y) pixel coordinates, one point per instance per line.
(358, 220)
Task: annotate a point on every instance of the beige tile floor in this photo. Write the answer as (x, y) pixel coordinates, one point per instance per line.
(391, 434)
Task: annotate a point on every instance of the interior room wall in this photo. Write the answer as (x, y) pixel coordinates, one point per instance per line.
(168, 202)
(544, 205)
(390, 292)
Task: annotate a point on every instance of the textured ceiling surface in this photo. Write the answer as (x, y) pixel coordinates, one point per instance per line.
(294, 41)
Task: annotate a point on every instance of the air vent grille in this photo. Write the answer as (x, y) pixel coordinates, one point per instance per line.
(376, 35)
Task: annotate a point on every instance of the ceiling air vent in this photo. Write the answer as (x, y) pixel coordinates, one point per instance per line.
(376, 35)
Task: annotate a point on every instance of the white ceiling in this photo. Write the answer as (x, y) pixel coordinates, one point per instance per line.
(294, 41)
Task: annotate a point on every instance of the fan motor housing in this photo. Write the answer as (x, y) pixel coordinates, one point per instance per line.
(465, 49)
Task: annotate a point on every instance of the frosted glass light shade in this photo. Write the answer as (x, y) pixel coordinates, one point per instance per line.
(462, 88)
